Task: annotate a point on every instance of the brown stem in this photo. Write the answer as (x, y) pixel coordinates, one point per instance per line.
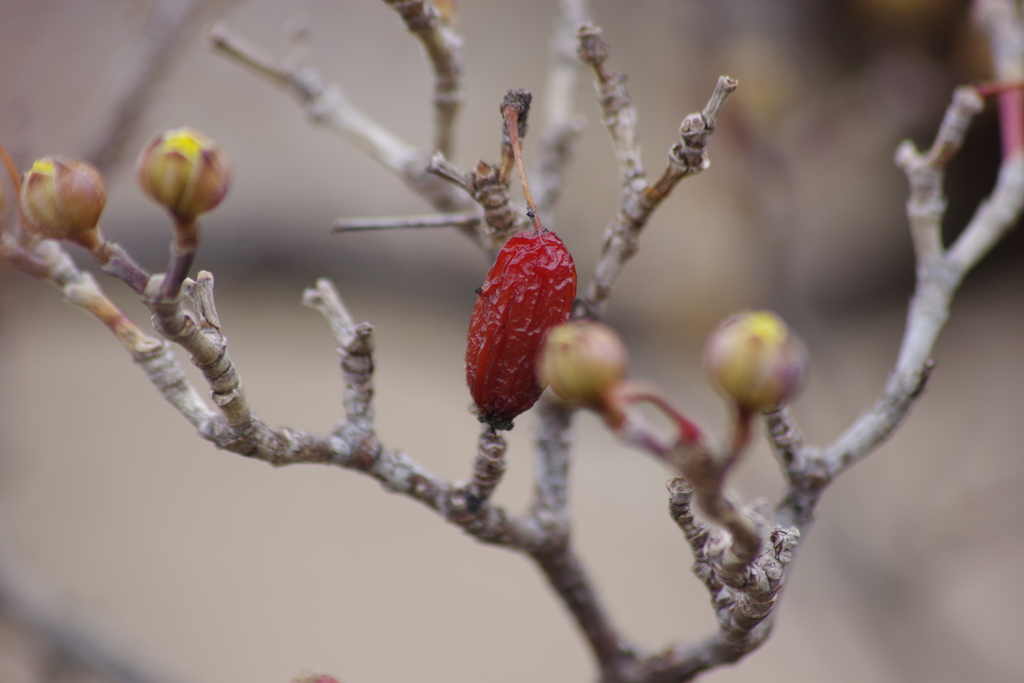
(1011, 120)
(741, 429)
(567, 577)
(115, 262)
(515, 109)
(12, 170)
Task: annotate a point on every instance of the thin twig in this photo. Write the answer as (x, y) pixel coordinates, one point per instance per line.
(327, 106)
(443, 46)
(1002, 22)
(994, 218)
(207, 348)
(135, 82)
(689, 156)
(569, 579)
(543, 533)
(743, 609)
(551, 466)
(488, 466)
(706, 474)
(562, 125)
(488, 186)
(619, 115)
(437, 220)
(939, 274)
(638, 198)
(697, 534)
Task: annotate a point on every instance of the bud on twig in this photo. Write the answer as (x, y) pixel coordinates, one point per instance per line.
(313, 678)
(582, 362)
(184, 171)
(754, 360)
(62, 199)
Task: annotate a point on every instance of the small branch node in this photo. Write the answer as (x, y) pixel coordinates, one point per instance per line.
(200, 293)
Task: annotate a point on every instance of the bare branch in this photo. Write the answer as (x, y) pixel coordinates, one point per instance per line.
(689, 156)
(467, 499)
(488, 186)
(939, 274)
(167, 375)
(562, 125)
(116, 262)
(444, 49)
(938, 277)
(489, 465)
(680, 505)
(706, 474)
(743, 609)
(927, 204)
(49, 262)
(877, 424)
(996, 216)
(207, 348)
(1001, 20)
(786, 439)
(617, 107)
(569, 579)
(551, 468)
(327, 106)
(139, 72)
(437, 220)
(638, 199)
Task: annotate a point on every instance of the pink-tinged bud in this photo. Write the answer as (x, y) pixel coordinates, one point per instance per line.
(753, 359)
(582, 362)
(314, 678)
(184, 171)
(62, 199)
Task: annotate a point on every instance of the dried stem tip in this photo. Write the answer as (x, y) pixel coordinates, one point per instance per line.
(592, 49)
(62, 199)
(520, 100)
(515, 108)
(184, 171)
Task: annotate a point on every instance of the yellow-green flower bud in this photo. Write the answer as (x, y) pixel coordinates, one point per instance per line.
(582, 362)
(754, 360)
(185, 171)
(62, 199)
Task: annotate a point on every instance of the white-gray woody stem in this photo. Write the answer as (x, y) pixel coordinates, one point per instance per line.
(639, 199)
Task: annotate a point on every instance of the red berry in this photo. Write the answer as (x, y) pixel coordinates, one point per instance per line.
(529, 290)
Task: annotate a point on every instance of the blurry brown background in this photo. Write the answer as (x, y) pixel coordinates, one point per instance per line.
(221, 570)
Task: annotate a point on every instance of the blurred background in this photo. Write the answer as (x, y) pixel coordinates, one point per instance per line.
(214, 569)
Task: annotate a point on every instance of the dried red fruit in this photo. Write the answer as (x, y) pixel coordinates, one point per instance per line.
(529, 290)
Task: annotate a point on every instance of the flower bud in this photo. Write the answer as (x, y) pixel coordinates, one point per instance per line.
(307, 677)
(62, 199)
(582, 362)
(314, 678)
(184, 171)
(754, 359)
